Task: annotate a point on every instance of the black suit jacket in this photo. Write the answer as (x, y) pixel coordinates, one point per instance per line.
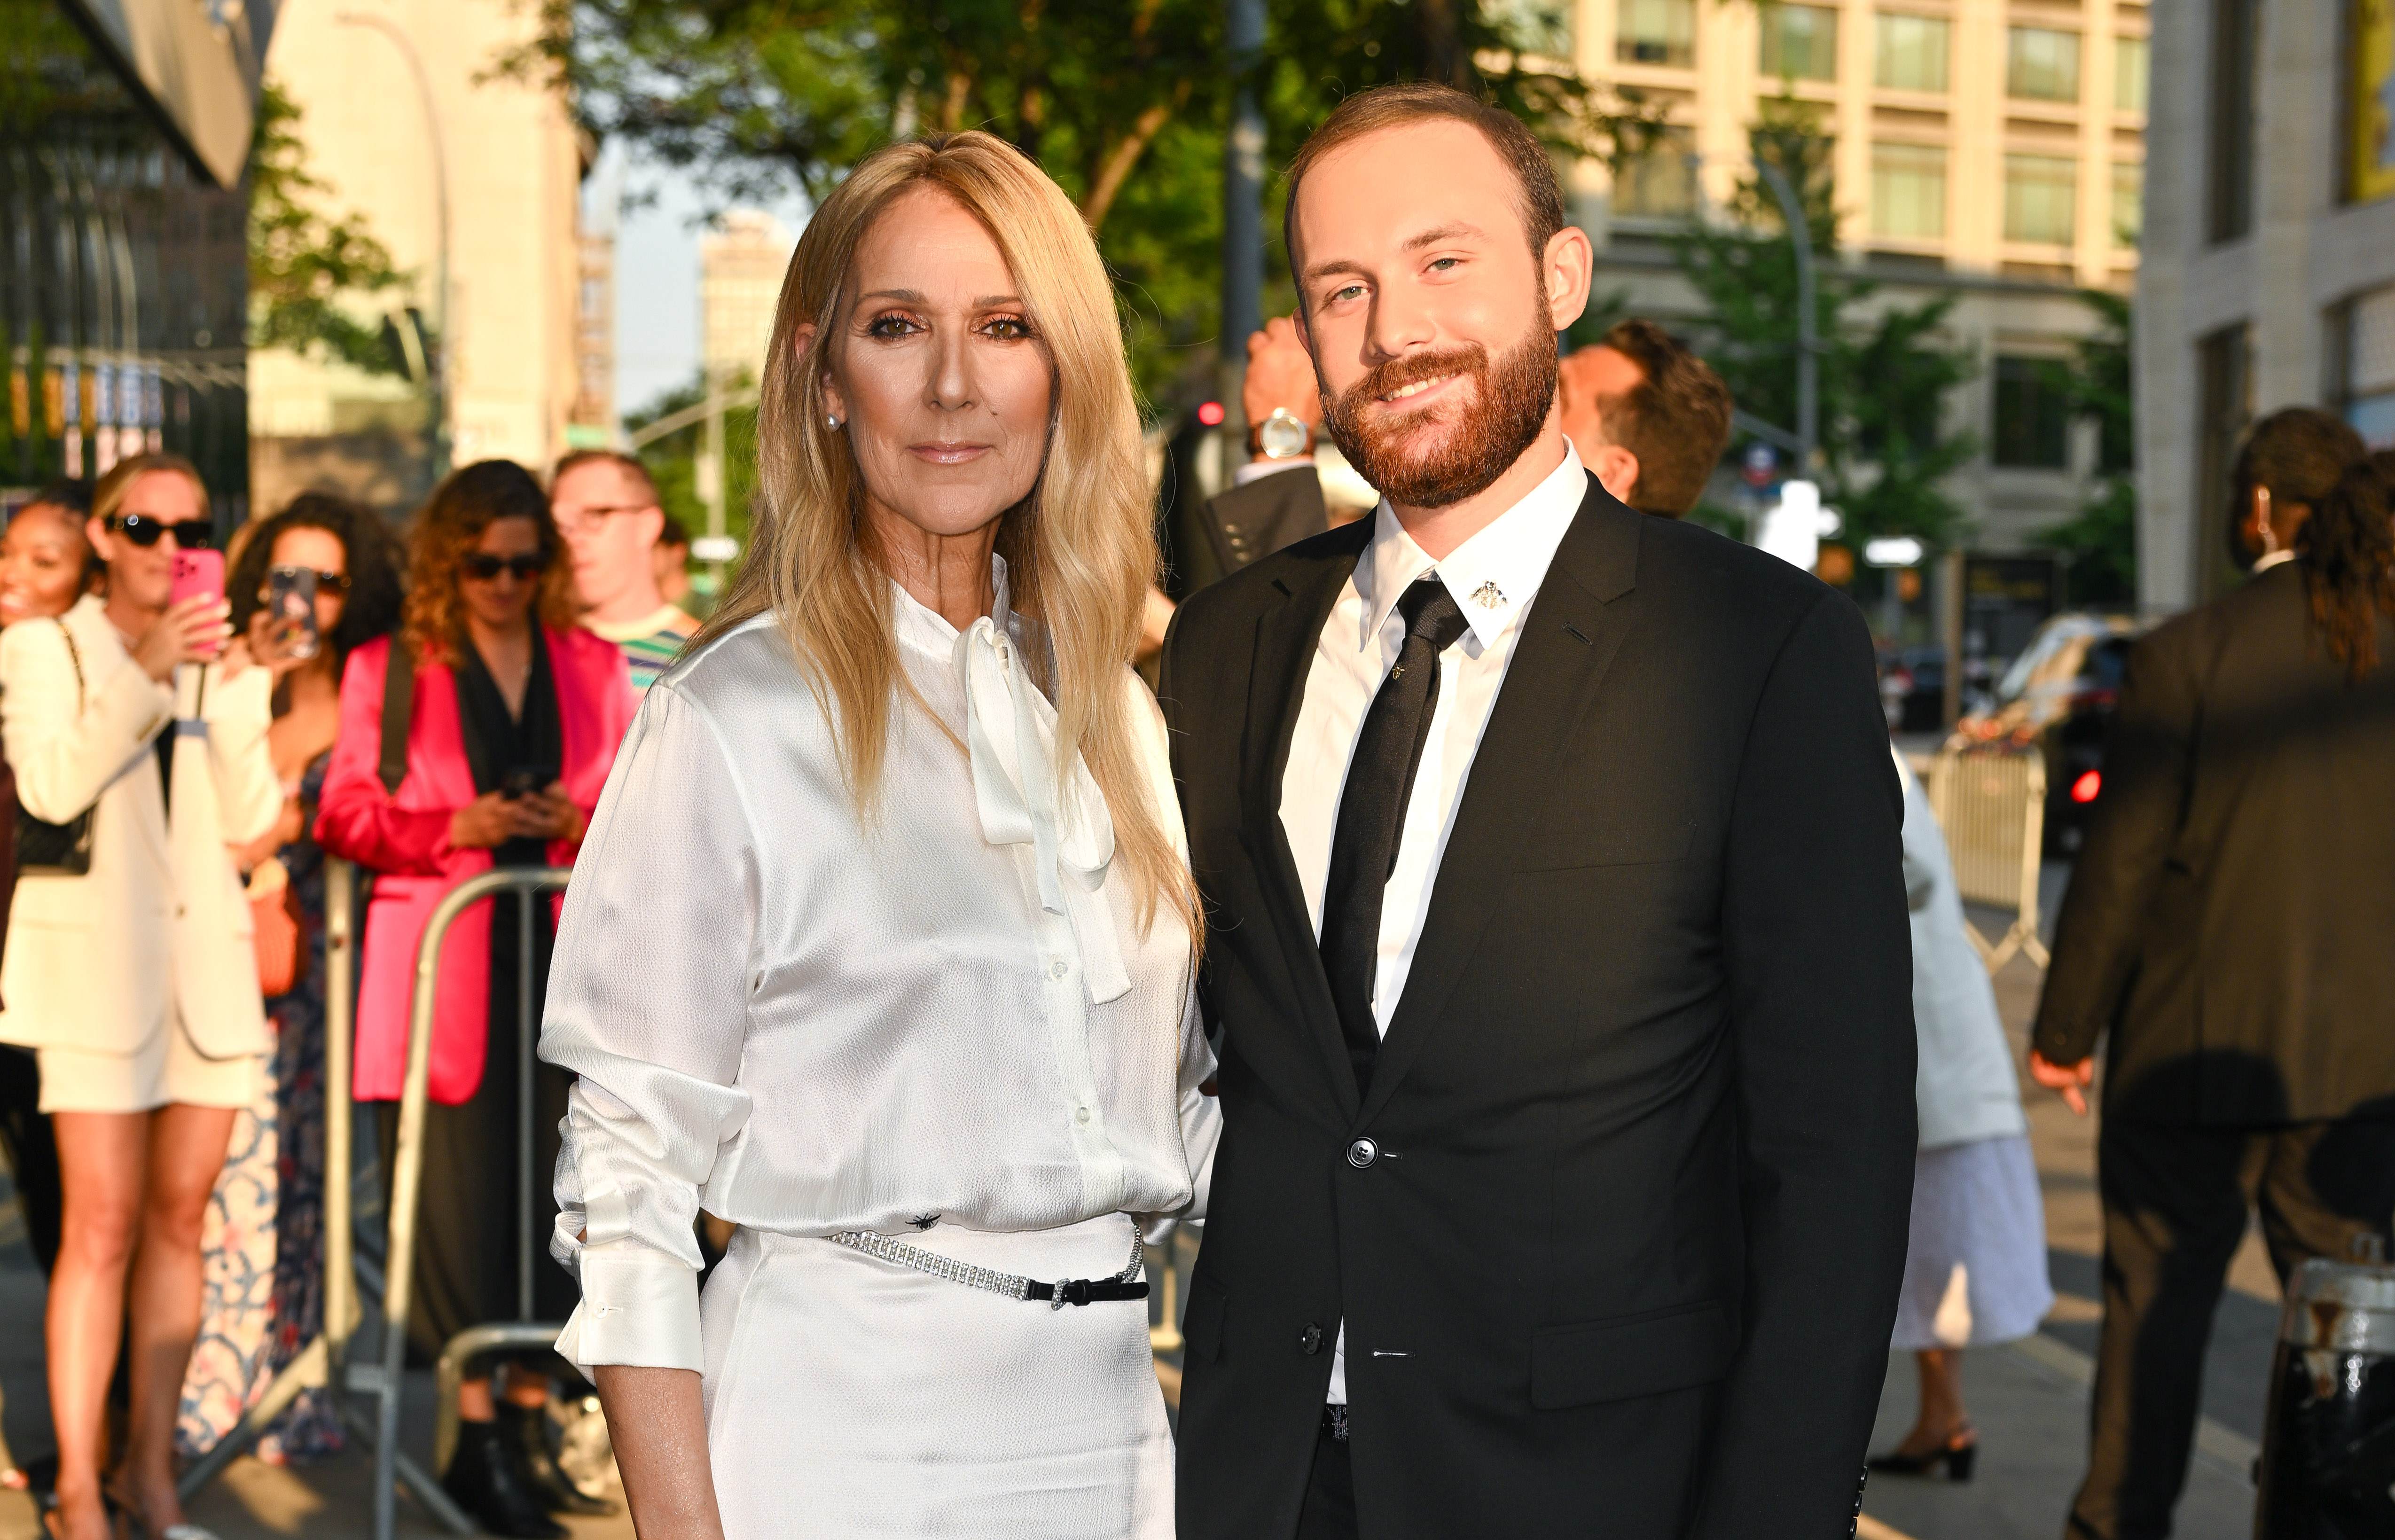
(1268, 514)
(2231, 920)
(1625, 1260)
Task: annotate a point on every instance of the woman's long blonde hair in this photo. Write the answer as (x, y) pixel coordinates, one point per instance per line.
(1081, 550)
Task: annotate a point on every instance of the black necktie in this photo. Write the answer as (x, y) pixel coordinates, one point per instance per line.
(1372, 814)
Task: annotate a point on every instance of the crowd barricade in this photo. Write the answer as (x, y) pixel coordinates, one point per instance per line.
(1991, 804)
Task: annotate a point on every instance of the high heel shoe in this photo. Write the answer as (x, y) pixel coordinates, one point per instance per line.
(1957, 1457)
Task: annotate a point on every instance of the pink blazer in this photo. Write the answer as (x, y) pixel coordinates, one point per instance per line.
(404, 841)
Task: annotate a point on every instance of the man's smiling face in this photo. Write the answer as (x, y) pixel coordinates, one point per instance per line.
(1425, 310)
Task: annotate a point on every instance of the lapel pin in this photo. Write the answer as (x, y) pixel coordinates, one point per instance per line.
(1489, 595)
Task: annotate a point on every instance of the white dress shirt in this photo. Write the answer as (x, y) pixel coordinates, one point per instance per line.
(1493, 577)
(807, 1021)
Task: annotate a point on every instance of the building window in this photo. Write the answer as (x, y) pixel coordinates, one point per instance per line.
(2236, 33)
(2132, 64)
(1909, 52)
(2032, 418)
(2371, 109)
(2128, 204)
(2041, 64)
(2041, 194)
(1660, 183)
(1800, 42)
(1909, 191)
(2368, 366)
(1657, 31)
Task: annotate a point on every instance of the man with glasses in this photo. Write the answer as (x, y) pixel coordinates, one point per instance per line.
(606, 507)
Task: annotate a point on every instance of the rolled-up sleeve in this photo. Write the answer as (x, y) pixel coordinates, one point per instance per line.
(648, 1003)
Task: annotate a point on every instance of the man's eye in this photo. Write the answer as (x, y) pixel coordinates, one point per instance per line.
(1442, 264)
(1349, 292)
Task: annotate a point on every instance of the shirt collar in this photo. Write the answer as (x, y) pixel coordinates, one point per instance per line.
(2264, 563)
(1493, 576)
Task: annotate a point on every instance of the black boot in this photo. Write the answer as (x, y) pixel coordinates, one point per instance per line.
(556, 1492)
(488, 1479)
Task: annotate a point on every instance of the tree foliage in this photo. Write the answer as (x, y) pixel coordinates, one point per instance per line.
(2102, 540)
(308, 270)
(1884, 451)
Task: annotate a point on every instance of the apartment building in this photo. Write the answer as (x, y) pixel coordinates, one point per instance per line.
(741, 263)
(1993, 149)
(2270, 278)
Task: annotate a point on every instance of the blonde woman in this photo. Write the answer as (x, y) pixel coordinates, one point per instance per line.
(881, 943)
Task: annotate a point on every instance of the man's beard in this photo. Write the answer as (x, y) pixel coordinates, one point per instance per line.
(1506, 418)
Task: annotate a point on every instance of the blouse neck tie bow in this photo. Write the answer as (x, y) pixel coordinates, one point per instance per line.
(1011, 734)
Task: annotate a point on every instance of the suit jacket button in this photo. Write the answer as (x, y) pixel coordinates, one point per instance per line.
(1309, 1341)
(1362, 1154)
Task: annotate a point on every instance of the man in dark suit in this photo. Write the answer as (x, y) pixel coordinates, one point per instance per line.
(1569, 1108)
(2231, 925)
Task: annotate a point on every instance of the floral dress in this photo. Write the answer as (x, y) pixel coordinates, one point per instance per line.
(264, 1235)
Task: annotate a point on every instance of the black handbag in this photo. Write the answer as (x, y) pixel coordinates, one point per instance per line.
(46, 849)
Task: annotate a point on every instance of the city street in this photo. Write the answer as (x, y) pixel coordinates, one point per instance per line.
(2028, 1400)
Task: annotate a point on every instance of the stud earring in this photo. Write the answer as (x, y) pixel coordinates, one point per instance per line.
(831, 422)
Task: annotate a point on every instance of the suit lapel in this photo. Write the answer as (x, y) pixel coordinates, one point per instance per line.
(1287, 635)
(1568, 640)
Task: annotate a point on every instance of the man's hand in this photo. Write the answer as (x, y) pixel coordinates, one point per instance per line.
(1280, 374)
(2066, 1079)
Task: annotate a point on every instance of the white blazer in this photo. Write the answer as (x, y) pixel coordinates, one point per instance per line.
(99, 963)
(1964, 1086)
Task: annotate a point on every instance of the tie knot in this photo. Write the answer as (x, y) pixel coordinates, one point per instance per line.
(1431, 613)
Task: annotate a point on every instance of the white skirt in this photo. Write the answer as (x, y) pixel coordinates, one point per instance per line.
(1974, 1269)
(849, 1396)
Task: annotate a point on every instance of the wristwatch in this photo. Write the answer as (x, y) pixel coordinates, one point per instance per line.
(1282, 435)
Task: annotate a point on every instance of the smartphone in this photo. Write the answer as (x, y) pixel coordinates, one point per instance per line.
(198, 572)
(524, 781)
(291, 611)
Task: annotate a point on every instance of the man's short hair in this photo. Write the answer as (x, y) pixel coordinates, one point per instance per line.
(1676, 419)
(674, 534)
(634, 472)
(1414, 102)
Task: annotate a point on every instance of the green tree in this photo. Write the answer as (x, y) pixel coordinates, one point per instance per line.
(2102, 539)
(672, 459)
(309, 271)
(1883, 452)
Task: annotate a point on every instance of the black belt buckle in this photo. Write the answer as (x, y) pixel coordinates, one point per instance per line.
(1084, 1291)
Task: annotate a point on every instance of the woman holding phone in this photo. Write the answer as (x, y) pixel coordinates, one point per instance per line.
(315, 581)
(138, 726)
(515, 715)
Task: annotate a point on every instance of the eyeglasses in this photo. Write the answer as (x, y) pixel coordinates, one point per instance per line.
(485, 568)
(583, 520)
(191, 535)
(326, 583)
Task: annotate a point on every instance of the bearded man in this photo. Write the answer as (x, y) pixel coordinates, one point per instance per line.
(1555, 932)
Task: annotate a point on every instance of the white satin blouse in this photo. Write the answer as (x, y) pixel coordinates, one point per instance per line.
(941, 1014)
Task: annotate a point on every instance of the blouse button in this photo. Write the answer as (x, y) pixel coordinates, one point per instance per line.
(1058, 968)
(1081, 1114)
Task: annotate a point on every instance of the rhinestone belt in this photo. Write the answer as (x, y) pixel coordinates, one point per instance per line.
(1126, 1284)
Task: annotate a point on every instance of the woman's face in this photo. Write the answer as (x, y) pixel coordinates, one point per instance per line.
(509, 551)
(944, 386)
(145, 574)
(320, 551)
(40, 563)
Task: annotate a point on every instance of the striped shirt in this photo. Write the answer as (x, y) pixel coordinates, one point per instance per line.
(649, 643)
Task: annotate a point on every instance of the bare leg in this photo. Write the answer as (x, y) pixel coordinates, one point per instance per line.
(1942, 1423)
(101, 1157)
(187, 1150)
(474, 1403)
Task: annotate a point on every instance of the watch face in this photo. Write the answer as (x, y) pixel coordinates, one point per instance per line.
(1282, 435)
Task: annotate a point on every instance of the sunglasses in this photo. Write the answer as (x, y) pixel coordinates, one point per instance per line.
(485, 568)
(191, 535)
(326, 583)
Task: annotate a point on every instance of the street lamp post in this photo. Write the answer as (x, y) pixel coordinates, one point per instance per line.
(1243, 188)
(1808, 361)
(437, 377)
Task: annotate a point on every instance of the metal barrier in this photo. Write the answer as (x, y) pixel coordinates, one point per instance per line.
(407, 1174)
(1991, 803)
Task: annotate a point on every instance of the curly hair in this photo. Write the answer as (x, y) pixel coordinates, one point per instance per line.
(2306, 458)
(472, 499)
(376, 564)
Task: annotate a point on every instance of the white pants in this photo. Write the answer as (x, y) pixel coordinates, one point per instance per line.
(849, 1396)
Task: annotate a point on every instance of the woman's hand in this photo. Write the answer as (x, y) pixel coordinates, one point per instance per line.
(489, 820)
(258, 651)
(189, 632)
(550, 814)
(287, 828)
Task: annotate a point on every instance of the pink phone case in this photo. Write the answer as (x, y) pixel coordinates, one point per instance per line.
(198, 572)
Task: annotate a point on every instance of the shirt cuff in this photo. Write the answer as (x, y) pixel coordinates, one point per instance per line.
(1256, 470)
(638, 1308)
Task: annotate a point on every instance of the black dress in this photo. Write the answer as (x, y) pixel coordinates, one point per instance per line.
(466, 1235)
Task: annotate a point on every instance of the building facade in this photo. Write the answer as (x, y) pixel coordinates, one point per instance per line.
(1989, 150)
(471, 179)
(741, 262)
(2270, 278)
